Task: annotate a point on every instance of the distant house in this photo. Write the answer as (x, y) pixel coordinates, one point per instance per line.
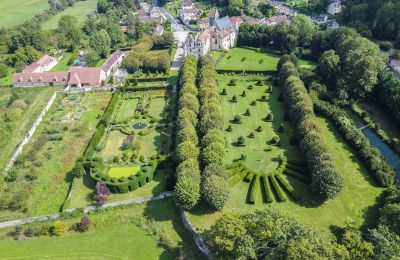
(187, 4)
(159, 30)
(151, 15)
(81, 77)
(187, 15)
(278, 19)
(113, 62)
(37, 79)
(45, 63)
(334, 8)
(203, 23)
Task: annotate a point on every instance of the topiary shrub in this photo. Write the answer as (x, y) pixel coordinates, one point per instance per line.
(244, 93)
(250, 87)
(243, 59)
(237, 119)
(269, 117)
(253, 103)
(234, 99)
(259, 129)
(275, 140)
(268, 89)
(259, 82)
(229, 129)
(224, 93)
(264, 98)
(232, 82)
(241, 141)
(251, 135)
(247, 113)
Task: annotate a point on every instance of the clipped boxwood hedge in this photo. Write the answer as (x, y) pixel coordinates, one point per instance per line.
(254, 188)
(279, 191)
(267, 190)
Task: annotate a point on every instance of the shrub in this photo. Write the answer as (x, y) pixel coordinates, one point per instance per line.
(237, 119)
(251, 135)
(213, 153)
(259, 82)
(253, 103)
(11, 176)
(215, 190)
(259, 129)
(250, 87)
(102, 193)
(58, 228)
(187, 150)
(244, 93)
(187, 190)
(234, 99)
(267, 190)
(232, 82)
(269, 117)
(264, 98)
(83, 224)
(241, 141)
(254, 189)
(274, 140)
(224, 93)
(229, 129)
(247, 113)
(277, 188)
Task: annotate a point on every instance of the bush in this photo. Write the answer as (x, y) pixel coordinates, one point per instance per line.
(215, 190)
(385, 46)
(259, 129)
(253, 103)
(274, 140)
(232, 82)
(83, 224)
(187, 190)
(234, 99)
(241, 141)
(247, 113)
(11, 176)
(229, 129)
(254, 189)
(237, 119)
(259, 82)
(251, 135)
(58, 228)
(186, 150)
(250, 87)
(269, 117)
(244, 93)
(224, 93)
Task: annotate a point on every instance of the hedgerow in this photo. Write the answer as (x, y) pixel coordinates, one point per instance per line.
(326, 182)
(267, 189)
(254, 188)
(277, 188)
(376, 163)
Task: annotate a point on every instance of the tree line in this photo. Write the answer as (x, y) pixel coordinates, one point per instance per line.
(326, 182)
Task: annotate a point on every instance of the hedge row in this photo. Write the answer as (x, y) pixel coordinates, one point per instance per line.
(287, 186)
(254, 189)
(238, 177)
(297, 174)
(210, 128)
(187, 188)
(277, 188)
(376, 163)
(123, 184)
(100, 129)
(267, 190)
(326, 182)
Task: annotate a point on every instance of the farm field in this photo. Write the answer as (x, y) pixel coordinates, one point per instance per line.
(117, 234)
(357, 203)
(45, 164)
(14, 12)
(21, 107)
(251, 60)
(80, 10)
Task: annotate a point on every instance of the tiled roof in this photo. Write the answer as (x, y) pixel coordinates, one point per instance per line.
(89, 76)
(223, 23)
(111, 61)
(44, 77)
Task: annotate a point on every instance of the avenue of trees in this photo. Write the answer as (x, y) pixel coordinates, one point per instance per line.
(187, 188)
(326, 182)
(214, 183)
(388, 90)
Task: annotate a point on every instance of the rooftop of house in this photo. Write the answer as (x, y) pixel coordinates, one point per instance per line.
(45, 77)
(79, 75)
(189, 11)
(43, 61)
(223, 23)
(111, 61)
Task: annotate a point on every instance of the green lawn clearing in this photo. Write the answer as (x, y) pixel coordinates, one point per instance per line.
(118, 172)
(14, 12)
(80, 10)
(130, 232)
(62, 65)
(127, 109)
(43, 172)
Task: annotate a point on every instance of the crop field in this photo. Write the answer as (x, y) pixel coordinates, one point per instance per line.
(80, 10)
(14, 12)
(45, 164)
(21, 107)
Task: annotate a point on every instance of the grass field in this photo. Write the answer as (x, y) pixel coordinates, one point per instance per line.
(35, 100)
(123, 233)
(127, 109)
(48, 158)
(80, 10)
(62, 65)
(118, 172)
(14, 12)
(356, 203)
(257, 158)
(252, 60)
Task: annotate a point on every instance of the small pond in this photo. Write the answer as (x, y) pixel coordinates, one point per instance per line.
(139, 125)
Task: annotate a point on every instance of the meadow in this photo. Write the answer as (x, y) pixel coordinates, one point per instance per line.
(14, 12)
(21, 107)
(147, 231)
(80, 10)
(45, 164)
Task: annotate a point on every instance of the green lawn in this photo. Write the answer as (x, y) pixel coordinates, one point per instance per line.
(356, 203)
(250, 59)
(80, 10)
(127, 109)
(118, 172)
(35, 101)
(131, 232)
(49, 157)
(257, 158)
(62, 65)
(14, 12)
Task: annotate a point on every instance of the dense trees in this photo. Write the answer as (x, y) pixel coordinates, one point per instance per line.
(326, 182)
(388, 90)
(269, 235)
(101, 42)
(187, 188)
(215, 188)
